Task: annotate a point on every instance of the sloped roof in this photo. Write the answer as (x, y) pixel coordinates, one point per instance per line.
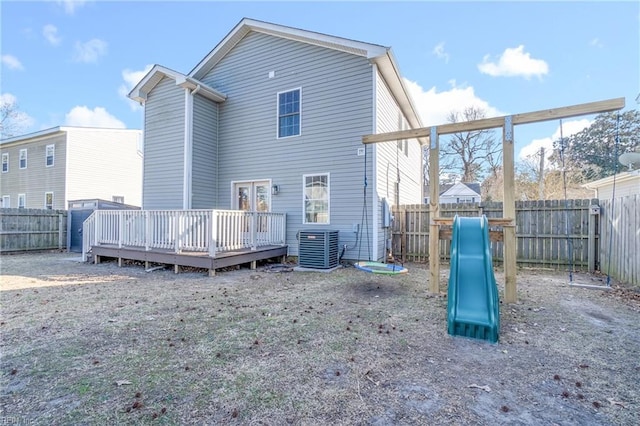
(157, 73)
(609, 180)
(474, 186)
(57, 130)
(379, 55)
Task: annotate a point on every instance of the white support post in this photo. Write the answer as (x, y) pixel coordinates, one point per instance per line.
(213, 233)
(254, 229)
(147, 230)
(176, 232)
(97, 224)
(120, 227)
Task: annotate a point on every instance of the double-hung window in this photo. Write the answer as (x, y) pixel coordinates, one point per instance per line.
(316, 198)
(49, 154)
(22, 160)
(48, 200)
(22, 201)
(5, 162)
(289, 113)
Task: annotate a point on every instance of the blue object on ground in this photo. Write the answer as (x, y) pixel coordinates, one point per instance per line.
(473, 307)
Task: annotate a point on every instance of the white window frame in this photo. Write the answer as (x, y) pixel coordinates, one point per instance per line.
(117, 199)
(304, 204)
(22, 201)
(5, 162)
(22, 151)
(299, 89)
(403, 144)
(46, 206)
(6, 201)
(53, 155)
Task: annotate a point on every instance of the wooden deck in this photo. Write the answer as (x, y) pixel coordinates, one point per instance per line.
(191, 259)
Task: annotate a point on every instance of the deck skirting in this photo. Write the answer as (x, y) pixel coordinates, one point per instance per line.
(190, 259)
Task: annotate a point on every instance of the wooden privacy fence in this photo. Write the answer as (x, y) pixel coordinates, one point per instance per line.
(552, 233)
(32, 229)
(620, 238)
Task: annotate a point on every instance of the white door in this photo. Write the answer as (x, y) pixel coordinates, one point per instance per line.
(256, 197)
(252, 196)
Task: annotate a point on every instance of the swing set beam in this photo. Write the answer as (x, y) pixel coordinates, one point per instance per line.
(430, 136)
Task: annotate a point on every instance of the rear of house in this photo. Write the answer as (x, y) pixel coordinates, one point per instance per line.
(272, 119)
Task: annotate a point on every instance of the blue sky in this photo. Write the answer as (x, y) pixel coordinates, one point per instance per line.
(73, 62)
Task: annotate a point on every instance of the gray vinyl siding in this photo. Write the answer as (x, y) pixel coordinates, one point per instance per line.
(390, 159)
(205, 153)
(36, 179)
(164, 147)
(337, 102)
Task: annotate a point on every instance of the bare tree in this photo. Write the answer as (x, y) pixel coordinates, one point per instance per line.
(474, 154)
(12, 120)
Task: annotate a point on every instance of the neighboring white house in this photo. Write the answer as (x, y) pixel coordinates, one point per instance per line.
(46, 169)
(272, 119)
(457, 193)
(626, 183)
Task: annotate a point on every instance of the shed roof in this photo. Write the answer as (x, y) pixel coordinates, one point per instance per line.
(609, 180)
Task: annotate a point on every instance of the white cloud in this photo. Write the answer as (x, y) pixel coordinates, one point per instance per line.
(596, 43)
(82, 116)
(70, 6)
(434, 106)
(514, 62)
(12, 62)
(50, 32)
(568, 128)
(439, 51)
(90, 51)
(131, 78)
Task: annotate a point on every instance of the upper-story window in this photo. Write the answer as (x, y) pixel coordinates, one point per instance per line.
(5, 162)
(289, 113)
(403, 144)
(49, 154)
(23, 159)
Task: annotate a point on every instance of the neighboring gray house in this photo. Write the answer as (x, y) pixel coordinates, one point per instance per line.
(458, 193)
(46, 169)
(272, 119)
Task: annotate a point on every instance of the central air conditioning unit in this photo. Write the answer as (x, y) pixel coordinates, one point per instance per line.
(318, 249)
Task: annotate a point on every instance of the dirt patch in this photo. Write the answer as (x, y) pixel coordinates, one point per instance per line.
(98, 344)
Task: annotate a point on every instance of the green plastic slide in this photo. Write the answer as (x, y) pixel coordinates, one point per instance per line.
(473, 306)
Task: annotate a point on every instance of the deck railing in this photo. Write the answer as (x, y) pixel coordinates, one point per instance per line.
(207, 231)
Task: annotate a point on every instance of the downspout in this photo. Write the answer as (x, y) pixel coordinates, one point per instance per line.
(374, 166)
(188, 149)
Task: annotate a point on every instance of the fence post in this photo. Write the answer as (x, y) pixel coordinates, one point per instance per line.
(60, 231)
(594, 212)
